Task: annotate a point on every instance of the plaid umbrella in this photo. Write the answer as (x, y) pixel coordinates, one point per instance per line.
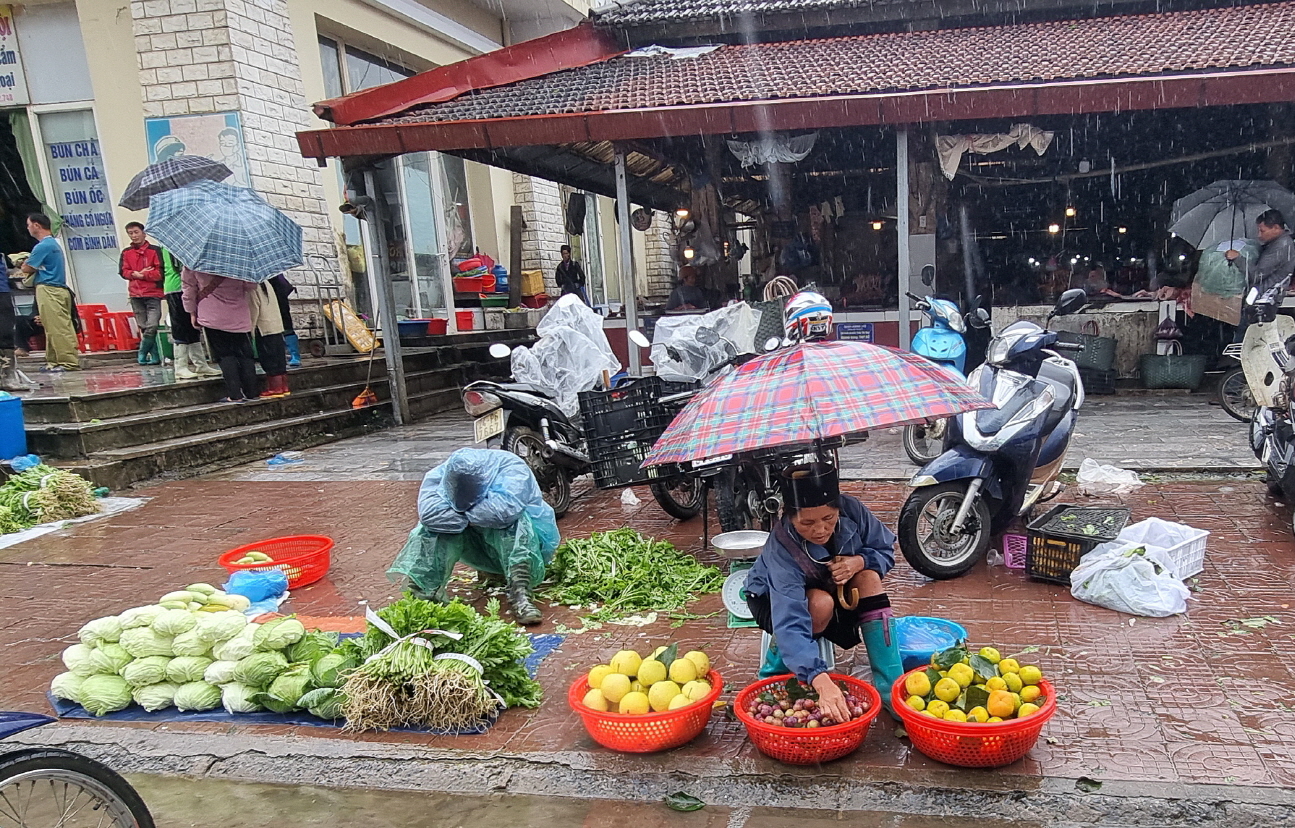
(812, 392)
(228, 231)
(171, 174)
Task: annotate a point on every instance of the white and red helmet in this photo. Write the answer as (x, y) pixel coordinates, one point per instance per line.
(809, 317)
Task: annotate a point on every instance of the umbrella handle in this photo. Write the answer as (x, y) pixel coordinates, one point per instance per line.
(840, 597)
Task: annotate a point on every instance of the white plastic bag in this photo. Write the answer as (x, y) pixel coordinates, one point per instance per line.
(1097, 479)
(1129, 577)
(680, 354)
(1162, 535)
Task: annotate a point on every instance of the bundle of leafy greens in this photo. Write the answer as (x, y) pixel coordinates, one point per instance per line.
(425, 681)
(43, 494)
(625, 573)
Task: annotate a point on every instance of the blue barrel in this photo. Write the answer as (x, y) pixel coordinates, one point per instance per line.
(13, 435)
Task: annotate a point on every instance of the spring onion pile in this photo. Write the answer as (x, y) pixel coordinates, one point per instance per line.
(623, 573)
(427, 678)
(43, 494)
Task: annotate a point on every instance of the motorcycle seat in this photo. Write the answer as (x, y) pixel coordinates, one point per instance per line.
(525, 389)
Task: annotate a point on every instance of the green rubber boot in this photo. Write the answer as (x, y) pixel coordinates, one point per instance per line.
(771, 665)
(883, 656)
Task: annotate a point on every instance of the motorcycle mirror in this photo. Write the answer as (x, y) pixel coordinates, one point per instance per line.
(978, 318)
(500, 351)
(772, 343)
(639, 339)
(1072, 301)
(707, 336)
(928, 275)
(1252, 296)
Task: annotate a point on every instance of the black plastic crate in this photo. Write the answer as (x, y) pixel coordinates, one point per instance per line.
(1097, 382)
(616, 461)
(633, 407)
(1055, 550)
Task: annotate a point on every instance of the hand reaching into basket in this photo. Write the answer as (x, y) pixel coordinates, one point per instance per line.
(830, 698)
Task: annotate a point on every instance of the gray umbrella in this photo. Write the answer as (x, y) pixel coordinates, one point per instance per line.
(171, 174)
(1227, 210)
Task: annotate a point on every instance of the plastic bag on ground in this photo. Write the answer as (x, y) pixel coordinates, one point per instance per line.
(1098, 479)
(1129, 577)
(257, 584)
(682, 353)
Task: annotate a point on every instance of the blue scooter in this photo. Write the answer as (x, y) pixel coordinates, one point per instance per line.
(942, 343)
(999, 461)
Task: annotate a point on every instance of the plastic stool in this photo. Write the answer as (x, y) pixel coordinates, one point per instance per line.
(95, 328)
(124, 335)
(826, 650)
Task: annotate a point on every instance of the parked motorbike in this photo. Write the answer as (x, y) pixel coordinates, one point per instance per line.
(942, 343)
(998, 462)
(46, 786)
(1268, 359)
(527, 421)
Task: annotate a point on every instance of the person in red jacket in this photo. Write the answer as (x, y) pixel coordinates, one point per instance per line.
(141, 266)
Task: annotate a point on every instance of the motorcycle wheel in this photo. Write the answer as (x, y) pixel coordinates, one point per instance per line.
(47, 786)
(554, 483)
(732, 502)
(679, 496)
(925, 537)
(923, 443)
(1235, 396)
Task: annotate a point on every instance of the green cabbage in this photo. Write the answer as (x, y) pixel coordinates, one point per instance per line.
(220, 672)
(184, 669)
(330, 671)
(239, 698)
(145, 641)
(104, 694)
(67, 686)
(77, 659)
(139, 617)
(283, 694)
(110, 659)
(313, 646)
(214, 627)
(324, 702)
(197, 695)
(190, 644)
(155, 697)
(174, 621)
(100, 631)
(260, 669)
(145, 671)
(240, 646)
(278, 634)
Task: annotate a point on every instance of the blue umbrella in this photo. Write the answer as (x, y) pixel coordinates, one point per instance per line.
(171, 174)
(228, 231)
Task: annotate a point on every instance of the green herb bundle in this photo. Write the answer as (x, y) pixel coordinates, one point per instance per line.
(625, 573)
(43, 494)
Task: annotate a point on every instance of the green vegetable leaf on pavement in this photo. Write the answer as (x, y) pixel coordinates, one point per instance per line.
(681, 801)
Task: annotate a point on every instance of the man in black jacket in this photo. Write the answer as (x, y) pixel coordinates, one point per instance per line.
(571, 276)
(1270, 276)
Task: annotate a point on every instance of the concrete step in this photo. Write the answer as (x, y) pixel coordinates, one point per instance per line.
(197, 454)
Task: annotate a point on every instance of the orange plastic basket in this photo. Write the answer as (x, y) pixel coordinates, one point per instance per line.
(973, 744)
(808, 746)
(651, 731)
(303, 558)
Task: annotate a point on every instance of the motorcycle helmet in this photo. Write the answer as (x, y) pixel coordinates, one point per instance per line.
(809, 317)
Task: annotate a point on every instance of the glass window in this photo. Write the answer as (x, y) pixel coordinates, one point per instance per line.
(332, 65)
(429, 263)
(458, 218)
(80, 194)
(394, 229)
(366, 71)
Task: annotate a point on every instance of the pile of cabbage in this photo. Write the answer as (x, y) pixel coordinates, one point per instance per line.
(200, 656)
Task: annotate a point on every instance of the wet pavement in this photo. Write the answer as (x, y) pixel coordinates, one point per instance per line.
(1145, 432)
(1203, 699)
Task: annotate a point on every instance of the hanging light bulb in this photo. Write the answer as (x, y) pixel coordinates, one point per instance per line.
(1071, 212)
(1054, 228)
(1122, 230)
(877, 225)
(682, 213)
(689, 253)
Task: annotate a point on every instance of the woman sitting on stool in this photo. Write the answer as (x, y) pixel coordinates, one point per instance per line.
(827, 553)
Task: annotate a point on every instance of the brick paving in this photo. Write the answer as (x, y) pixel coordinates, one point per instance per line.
(1193, 699)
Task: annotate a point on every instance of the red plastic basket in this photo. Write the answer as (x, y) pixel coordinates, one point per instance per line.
(651, 731)
(303, 558)
(973, 744)
(806, 746)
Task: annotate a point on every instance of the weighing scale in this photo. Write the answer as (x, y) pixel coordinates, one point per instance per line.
(741, 548)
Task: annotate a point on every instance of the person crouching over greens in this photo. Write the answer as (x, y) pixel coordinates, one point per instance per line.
(825, 546)
(482, 507)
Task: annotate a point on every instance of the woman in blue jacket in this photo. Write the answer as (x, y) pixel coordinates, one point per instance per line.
(826, 544)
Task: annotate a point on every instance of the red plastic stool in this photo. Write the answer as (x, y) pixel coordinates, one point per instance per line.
(125, 337)
(95, 327)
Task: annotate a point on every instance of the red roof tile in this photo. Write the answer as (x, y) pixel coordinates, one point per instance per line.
(1256, 36)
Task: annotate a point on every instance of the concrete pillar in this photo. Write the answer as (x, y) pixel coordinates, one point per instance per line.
(544, 212)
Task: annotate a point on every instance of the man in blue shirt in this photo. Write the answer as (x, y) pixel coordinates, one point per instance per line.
(47, 269)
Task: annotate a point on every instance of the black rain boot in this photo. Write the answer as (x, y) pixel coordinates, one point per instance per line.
(519, 595)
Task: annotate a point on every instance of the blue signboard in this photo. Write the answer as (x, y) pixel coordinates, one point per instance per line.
(854, 331)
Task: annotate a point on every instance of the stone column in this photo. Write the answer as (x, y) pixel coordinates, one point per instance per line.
(217, 56)
(545, 233)
(660, 265)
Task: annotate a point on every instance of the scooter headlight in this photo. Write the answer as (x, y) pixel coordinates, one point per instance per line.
(998, 351)
(956, 323)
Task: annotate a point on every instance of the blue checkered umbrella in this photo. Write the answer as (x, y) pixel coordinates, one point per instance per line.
(228, 231)
(171, 174)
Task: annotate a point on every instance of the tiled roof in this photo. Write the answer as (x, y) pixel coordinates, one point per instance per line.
(1258, 36)
(647, 12)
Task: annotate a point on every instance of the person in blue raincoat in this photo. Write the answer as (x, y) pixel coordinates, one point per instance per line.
(484, 508)
(825, 541)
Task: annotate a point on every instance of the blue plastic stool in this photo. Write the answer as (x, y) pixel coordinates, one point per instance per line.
(825, 649)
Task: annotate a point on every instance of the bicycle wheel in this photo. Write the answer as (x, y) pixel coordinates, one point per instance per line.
(47, 787)
(1235, 396)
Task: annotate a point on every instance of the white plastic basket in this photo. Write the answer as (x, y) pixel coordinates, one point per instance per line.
(1184, 545)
